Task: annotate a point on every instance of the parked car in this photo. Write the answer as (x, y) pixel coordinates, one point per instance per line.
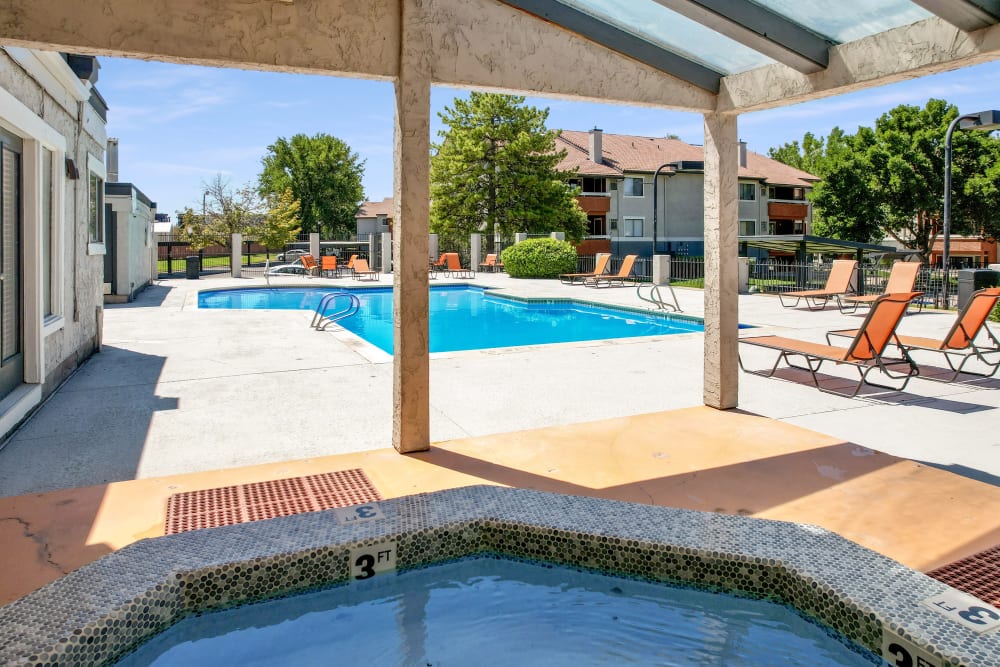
(287, 269)
(291, 255)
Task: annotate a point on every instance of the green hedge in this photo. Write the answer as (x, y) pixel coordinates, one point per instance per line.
(539, 258)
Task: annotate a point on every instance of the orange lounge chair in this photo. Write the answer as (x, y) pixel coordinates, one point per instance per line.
(362, 270)
(454, 266)
(960, 341)
(601, 260)
(328, 264)
(624, 273)
(902, 278)
(865, 351)
(310, 265)
(492, 263)
(838, 284)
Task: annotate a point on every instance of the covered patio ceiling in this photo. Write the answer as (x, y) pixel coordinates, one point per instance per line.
(806, 244)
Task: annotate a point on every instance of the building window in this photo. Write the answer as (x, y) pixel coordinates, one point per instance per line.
(596, 226)
(633, 187)
(593, 185)
(95, 220)
(632, 226)
(748, 191)
(48, 233)
(748, 227)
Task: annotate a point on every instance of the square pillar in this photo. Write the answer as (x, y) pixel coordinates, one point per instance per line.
(721, 383)
(411, 166)
(236, 255)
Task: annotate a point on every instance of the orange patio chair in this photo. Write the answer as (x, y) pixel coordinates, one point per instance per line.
(838, 284)
(328, 265)
(960, 341)
(454, 266)
(624, 273)
(492, 263)
(865, 352)
(363, 272)
(601, 261)
(902, 278)
(309, 264)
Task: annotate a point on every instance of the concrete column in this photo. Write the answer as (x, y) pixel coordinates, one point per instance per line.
(721, 384)
(411, 140)
(520, 236)
(386, 240)
(661, 269)
(236, 255)
(744, 271)
(475, 251)
(314, 245)
(559, 236)
(432, 247)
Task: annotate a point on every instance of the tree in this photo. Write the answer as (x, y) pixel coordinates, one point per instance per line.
(282, 222)
(193, 230)
(228, 212)
(323, 175)
(495, 171)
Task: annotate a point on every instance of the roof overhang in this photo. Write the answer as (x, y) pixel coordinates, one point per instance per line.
(807, 244)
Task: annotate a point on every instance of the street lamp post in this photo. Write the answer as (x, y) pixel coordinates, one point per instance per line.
(656, 175)
(981, 120)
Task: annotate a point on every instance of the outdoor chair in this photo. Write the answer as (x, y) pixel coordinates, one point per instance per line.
(865, 352)
(960, 341)
(902, 278)
(838, 284)
(601, 261)
(309, 264)
(624, 274)
(363, 272)
(328, 265)
(454, 266)
(350, 263)
(492, 263)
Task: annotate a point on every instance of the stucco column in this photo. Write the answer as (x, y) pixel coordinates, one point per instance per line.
(236, 255)
(721, 383)
(411, 359)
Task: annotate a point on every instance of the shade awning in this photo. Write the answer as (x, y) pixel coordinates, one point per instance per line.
(793, 243)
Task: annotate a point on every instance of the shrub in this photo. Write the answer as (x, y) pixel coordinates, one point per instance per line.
(539, 258)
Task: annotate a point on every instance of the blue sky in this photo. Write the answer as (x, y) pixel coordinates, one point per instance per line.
(179, 125)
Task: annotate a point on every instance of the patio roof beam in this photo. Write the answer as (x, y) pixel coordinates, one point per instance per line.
(925, 47)
(622, 42)
(968, 15)
(760, 29)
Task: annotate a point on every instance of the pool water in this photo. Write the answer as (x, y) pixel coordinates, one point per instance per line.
(468, 318)
(498, 612)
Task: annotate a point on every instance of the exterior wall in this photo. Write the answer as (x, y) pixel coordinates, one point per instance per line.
(685, 207)
(377, 225)
(133, 254)
(42, 102)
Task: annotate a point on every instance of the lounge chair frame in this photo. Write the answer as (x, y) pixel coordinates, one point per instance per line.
(363, 272)
(865, 352)
(601, 261)
(492, 263)
(453, 265)
(902, 278)
(625, 273)
(838, 284)
(328, 264)
(958, 346)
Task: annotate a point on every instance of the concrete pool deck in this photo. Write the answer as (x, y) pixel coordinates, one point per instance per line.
(182, 399)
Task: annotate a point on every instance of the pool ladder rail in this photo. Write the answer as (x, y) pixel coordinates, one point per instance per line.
(656, 298)
(323, 317)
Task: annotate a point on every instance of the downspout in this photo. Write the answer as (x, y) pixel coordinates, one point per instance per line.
(76, 211)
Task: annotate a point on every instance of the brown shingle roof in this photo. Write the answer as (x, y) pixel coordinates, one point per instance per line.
(372, 209)
(626, 153)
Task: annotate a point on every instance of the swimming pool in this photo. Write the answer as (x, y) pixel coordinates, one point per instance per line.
(515, 612)
(470, 318)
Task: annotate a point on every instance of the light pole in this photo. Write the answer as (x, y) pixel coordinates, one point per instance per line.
(204, 208)
(656, 175)
(981, 120)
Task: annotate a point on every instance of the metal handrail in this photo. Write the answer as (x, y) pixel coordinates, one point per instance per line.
(656, 298)
(322, 319)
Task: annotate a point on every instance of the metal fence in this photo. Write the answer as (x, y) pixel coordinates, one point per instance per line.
(642, 270)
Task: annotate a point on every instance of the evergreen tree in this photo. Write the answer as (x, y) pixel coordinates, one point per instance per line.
(323, 175)
(495, 172)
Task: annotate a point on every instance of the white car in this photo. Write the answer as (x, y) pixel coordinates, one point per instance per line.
(287, 269)
(291, 255)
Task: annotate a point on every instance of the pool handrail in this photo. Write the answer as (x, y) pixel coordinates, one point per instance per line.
(322, 319)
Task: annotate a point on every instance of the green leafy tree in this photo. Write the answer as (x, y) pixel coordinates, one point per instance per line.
(496, 172)
(232, 210)
(281, 225)
(193, 230)
(323, 174)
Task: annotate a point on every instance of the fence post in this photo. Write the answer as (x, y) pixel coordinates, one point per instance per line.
(558, 236)
(743, 286)
(661, 269)
(432, 247)
(314, 245)
(236, 255)
(386, 240)
(520, 236)
(475, 251)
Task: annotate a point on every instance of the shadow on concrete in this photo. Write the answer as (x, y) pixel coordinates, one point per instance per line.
(151, 297)
(966, 471)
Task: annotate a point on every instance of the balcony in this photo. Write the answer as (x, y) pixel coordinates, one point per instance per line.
(787, 210)
(594, 204)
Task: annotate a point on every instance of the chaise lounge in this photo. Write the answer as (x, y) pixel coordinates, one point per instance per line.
(624, 273)
(865, 351)
(363, 272)
(601, 260)
(902, 278)
(838, 284)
